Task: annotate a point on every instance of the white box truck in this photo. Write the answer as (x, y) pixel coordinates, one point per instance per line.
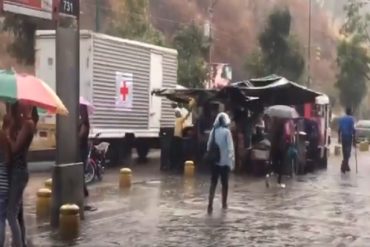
(117, 76)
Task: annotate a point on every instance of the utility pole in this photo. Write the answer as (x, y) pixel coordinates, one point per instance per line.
(97, 17)
(211, 7)
(309, 44)
(68, 172)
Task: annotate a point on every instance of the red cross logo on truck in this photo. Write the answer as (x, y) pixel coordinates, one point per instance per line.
(124, 90)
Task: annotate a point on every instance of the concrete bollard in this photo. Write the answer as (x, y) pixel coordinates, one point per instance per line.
(49, 184)
(337, 150)
(364, 146)
(125, 177)
(69, 221)
(189, 168)
(43, 203)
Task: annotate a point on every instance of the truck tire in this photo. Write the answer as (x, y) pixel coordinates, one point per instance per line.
(119, 151)
(142, 148)
(113, 153)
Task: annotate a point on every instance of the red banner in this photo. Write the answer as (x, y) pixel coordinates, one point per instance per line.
(36, 8)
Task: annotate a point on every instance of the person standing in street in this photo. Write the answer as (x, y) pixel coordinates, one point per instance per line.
(83, 135)
(346, 136)
(280, 142)
(221, 136)
(177, 147)
(4, 177)
(23, 122)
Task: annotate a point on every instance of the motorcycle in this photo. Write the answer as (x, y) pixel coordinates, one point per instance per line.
(96, 160)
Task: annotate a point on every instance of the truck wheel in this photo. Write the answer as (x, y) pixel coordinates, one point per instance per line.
(113, 154)
(142, 148)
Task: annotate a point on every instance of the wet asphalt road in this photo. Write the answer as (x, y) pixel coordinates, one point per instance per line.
(325, 208)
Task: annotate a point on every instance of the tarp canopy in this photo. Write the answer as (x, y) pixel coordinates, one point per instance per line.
(266, 91)
(184, 95)
(228, 95)
(279, 92)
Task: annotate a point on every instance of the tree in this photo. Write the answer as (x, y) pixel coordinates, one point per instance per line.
(352, 60)
(192, 49)
(279, 53)
(352, 57)
(131, 21)
(356, 24)
(23, 29)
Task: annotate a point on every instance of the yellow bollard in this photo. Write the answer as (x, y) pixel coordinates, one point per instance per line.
(43, 203)
(69, 221)
(337, 150)
(189, 187)
(125, 177)
(49, 184)
(189, 168)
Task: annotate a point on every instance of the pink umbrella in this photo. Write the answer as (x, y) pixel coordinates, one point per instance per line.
(85, 102)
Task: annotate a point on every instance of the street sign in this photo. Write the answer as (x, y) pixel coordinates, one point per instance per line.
(35, 8)
(70, 8)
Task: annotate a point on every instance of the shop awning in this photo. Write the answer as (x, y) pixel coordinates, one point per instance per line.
(266, 91)
(279, 92)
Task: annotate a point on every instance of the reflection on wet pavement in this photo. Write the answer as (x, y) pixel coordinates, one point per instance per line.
(320, 209)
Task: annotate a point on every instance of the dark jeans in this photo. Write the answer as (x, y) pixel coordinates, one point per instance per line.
(84, 152)
(18, 181)
(278, 163)
(346, 149)
(3, 208)
(217, 172)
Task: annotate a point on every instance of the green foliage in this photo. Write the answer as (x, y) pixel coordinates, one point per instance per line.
(192, 49)
(352, 57)
(23, 30)
(255, 64)
(357, 23)
(280, 53)
(132, 22)
(352, 80)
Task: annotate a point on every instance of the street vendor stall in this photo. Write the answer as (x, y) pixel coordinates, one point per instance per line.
(244, 101)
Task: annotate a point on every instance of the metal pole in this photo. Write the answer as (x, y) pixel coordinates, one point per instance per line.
(210, 17)
(309, 44)
(97, 19)
(212, 5)
(68, 171)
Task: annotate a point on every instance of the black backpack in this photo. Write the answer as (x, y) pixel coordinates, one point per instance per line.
(212, 156)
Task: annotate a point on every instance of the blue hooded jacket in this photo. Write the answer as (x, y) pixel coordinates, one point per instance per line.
(224, 140)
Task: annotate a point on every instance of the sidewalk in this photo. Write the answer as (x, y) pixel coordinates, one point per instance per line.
(103, 194)
(47, 166)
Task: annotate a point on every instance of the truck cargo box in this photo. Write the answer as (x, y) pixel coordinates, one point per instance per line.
(102, 58)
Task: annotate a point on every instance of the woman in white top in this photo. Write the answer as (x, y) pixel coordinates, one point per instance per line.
(222, 168)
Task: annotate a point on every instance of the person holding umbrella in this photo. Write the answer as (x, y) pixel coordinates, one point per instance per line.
(83, 135)
(4, 174)
(23, 122)
(25, 93)
(346, 136)
(282, 135)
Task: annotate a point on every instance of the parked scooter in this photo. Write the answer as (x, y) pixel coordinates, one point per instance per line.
(96, 160)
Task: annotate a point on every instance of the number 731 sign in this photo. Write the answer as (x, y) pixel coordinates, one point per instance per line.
(69, 7)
